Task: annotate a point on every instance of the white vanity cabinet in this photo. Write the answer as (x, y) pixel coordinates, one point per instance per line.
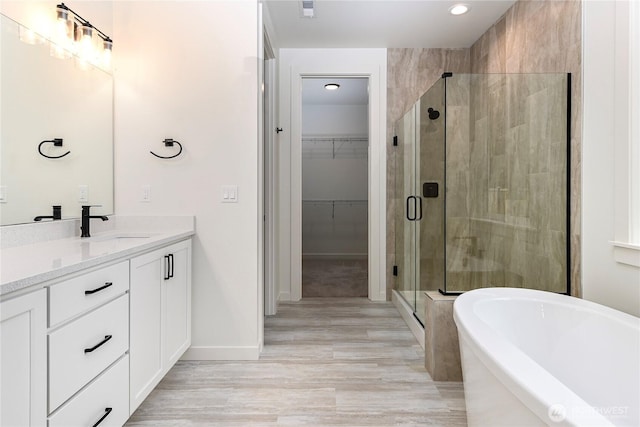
(160, 316)
(88, 340)
(89, 326)
(23, 360)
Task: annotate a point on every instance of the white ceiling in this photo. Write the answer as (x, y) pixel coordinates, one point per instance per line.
(381, 23)
(352, 91)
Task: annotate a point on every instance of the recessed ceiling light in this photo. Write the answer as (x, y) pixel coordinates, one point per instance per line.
(459, 9)
(332, 86)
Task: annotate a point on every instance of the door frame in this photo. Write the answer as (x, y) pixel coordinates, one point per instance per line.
(269, 181)
(362, 63)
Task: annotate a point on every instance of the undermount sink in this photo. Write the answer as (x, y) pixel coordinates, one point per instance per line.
(119, 236)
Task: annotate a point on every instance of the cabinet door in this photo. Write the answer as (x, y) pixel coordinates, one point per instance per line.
(145, 345)
(176, 302)
(23, 360)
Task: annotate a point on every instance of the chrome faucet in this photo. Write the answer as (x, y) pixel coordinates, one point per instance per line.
(57, 214)
(86, 216)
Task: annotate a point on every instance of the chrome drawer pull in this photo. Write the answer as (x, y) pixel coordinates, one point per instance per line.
(106, 338)
(107, 411)
(93, 291)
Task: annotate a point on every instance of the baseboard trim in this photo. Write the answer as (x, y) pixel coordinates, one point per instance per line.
(284, 296)
(407, 315)
(222, 353)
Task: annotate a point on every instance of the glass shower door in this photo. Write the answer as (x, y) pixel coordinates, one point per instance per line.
(405, 242)
(430, 190)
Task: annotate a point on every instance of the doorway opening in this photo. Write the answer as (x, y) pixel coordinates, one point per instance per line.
(335, 187)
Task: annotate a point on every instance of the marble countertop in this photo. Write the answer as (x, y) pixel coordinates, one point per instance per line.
(31, 264)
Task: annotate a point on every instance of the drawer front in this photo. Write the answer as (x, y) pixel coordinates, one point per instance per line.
(107, 396)
(82, 293)
(85, 347)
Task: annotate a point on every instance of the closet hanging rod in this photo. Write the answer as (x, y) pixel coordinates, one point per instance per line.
(313, 139)
(346, 201)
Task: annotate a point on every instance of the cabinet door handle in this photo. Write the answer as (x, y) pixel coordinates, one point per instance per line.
(93, 291)
(107, 411)
(167, 266)
(106, 338)
(171, 266)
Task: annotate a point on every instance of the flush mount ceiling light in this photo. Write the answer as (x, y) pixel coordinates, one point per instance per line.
(459, 9)
(332, 86)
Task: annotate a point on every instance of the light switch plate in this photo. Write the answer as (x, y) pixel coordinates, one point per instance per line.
(145, 194)
(83, 193)
(229, 194)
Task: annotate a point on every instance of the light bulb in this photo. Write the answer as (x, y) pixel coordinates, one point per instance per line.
(107, 48)
(85, 42)
(63, 31)
(62, 40)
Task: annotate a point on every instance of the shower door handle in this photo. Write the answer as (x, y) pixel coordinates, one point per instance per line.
(409, 217)
(418, 205)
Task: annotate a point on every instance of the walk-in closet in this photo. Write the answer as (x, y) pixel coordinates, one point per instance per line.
(335, 147)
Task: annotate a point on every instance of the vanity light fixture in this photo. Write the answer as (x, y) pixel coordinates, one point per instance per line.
(75, 35)
(459, 9)
(332, 86)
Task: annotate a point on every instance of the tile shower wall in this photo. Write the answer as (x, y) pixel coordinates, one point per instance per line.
(531, 37)
(506, 198)
(541, 37)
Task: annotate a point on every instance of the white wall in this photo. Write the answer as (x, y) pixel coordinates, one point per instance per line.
(603, 279)
(293, 65)
(335, 120)
(188, 70)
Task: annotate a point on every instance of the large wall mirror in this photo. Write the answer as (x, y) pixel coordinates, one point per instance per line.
(42, 99)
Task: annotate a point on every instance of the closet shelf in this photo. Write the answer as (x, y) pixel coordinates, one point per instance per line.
(335, 147)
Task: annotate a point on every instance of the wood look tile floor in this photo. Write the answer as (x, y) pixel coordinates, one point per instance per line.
(326, 362)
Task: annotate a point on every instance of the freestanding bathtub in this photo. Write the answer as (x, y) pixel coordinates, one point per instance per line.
(534, 358)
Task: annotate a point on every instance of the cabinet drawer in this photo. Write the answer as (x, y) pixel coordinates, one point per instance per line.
(85, 347)
(82, 293)
(107, 396)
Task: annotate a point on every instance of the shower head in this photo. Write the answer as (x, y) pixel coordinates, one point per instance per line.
(433, 114)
